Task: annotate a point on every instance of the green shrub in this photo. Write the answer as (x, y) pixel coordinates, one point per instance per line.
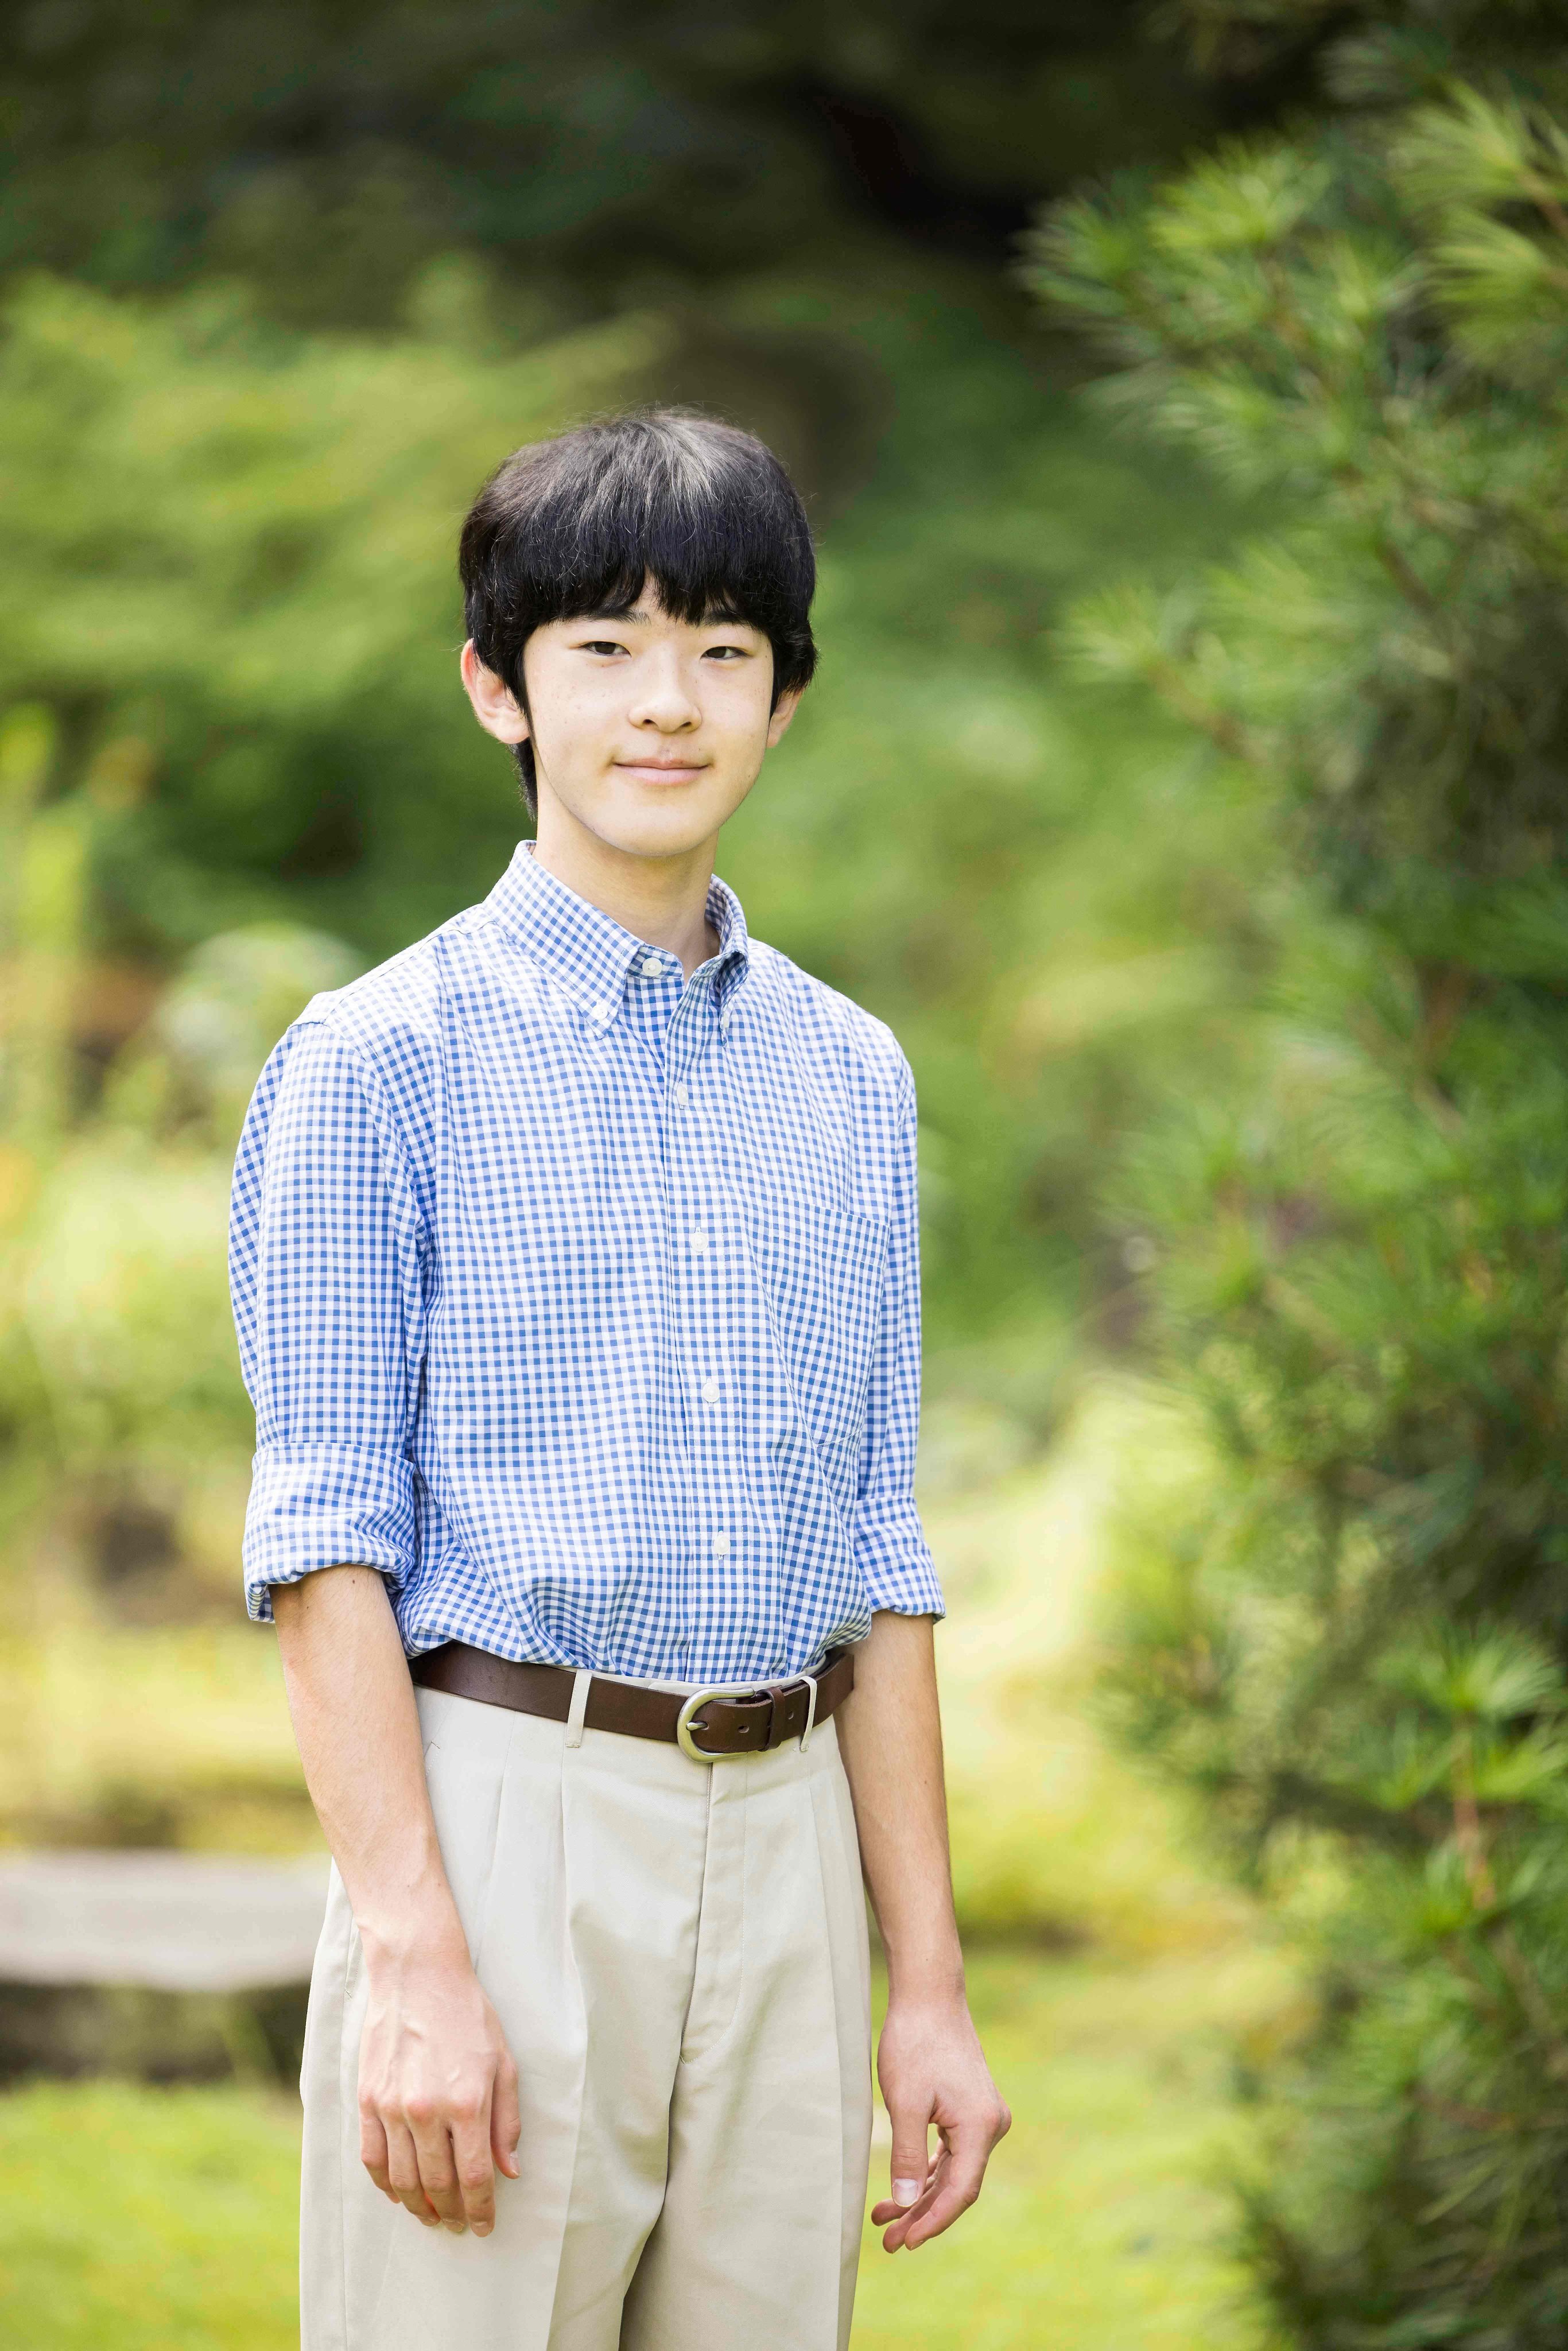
(1354, 1643)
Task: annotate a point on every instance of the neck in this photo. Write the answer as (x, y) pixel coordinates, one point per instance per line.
(661, 899)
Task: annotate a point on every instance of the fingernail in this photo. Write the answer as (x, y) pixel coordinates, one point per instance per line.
(453, 2227)
(481, 2228)
(906, 2191)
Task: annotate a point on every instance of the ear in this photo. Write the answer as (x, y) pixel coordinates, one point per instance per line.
(495, 706)
(784, 710)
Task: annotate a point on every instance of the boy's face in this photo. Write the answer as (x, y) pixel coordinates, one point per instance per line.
(647, 731)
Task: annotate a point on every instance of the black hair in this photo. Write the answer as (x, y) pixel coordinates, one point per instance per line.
(665, 498)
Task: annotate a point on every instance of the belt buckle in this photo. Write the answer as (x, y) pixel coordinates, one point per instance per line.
(699, 1698)
(692, 1705)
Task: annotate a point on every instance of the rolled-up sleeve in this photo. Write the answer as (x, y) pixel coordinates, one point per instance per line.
(891, 1549)
(326, 1261)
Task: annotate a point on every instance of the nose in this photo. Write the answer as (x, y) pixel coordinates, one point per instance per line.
(664, 698)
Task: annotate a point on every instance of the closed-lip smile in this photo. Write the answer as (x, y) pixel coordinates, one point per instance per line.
(666, 767)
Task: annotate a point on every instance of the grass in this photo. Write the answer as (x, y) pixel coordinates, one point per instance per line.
(148, 2219)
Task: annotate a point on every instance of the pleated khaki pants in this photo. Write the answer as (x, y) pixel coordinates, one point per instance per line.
(677, 1955)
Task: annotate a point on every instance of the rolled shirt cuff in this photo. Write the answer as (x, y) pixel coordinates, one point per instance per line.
(315, 1506)
(894, 1560)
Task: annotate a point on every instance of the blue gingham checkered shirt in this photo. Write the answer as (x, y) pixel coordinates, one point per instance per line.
(582, 1299)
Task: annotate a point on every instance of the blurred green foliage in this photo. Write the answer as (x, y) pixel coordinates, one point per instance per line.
(1347, 1631)
(607, 154)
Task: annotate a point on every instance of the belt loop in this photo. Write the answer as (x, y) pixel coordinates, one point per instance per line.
(810, 1682)
(581, 1685)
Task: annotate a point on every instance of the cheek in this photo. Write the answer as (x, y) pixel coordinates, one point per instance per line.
(575, 711)
(738, 707)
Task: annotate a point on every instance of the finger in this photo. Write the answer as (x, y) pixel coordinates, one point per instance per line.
(905, 2219)
(506, 2120)
(886, 2209)
(373, 2152)
(895, 2238)
(475, 2169)
(402, 2172)
(969, 2145)
(437, 2172)
(911, 2163)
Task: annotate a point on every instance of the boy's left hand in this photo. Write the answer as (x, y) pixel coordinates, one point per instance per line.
(933, 2070)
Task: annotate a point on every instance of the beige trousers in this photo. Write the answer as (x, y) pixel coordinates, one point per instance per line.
(677, 1955)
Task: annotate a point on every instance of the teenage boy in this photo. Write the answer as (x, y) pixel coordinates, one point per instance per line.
(574, 1268)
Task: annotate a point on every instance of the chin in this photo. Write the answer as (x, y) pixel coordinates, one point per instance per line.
(652, 828)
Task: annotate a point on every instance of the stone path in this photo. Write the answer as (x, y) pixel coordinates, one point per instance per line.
(165, 1922)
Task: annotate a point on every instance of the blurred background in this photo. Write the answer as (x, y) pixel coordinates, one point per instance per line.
(1178, 395)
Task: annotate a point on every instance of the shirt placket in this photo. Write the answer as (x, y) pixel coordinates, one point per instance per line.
(667, 1013)
(704, 1273)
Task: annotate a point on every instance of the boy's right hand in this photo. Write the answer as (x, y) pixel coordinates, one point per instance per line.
(438, 2090)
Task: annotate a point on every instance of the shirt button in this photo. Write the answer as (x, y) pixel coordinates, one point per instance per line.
(724, 1018)
(699, 1240)
(651, 967)
(721, 1546)
(679, 1091)
(603, 1014)
(710, 1390)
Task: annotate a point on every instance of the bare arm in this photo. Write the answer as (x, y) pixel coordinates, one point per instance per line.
(438, 2092)
(929, 2059)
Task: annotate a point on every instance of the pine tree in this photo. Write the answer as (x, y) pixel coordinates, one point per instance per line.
(1355, 1644)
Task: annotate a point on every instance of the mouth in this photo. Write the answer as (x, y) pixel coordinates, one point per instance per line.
(661, 771)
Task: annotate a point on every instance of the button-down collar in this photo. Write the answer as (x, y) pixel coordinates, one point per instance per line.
(589, 955)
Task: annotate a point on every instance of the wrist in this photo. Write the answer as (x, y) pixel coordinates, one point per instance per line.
(415, 1932)
(928, 1976)
(928, 1997)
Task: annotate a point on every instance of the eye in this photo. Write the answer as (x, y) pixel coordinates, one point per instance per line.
(601, 646)
(726, 652)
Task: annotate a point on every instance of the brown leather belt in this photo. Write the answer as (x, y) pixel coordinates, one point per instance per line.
(706, 1725)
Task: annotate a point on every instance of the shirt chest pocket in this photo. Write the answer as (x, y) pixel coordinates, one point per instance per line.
(820, 1273)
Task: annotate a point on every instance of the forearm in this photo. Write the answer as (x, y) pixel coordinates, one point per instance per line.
(357, 1725)
(438, 2092)
(890, 1734)
(929, 2062)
